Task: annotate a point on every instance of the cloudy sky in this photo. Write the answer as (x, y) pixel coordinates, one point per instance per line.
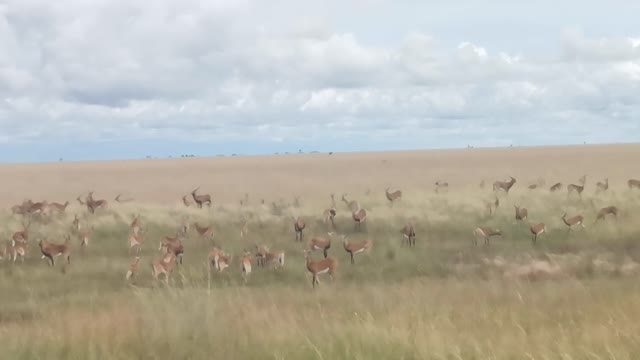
(100, 79)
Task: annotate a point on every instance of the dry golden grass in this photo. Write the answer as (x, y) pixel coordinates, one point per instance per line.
(573, 296)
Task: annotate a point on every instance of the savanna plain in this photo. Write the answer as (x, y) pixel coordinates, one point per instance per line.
(571, 295)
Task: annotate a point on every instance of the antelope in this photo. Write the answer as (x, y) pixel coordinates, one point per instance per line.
(173, 246)
(602, 186)
(59, 207)
(574, 220)
(133, 268)
(186, 201)
(441, 186)
(393, 196)
(575, 188)
(352, 205)
(504, 185)
(184, 226)
(330, 213)
(51, 250)
(245, 265)
(80, 201)
(492, 206)
(408, 235)
(4, 252)
(265, 256)
(135, 224)
(84, 237)
(244, 230)
(75, 225)
(21, 209)
(356, 247)
(633, 183)
(17, 250)
(607, 210)
(555, 187)
(201, 199)
(536, 230)
(204, 231)
(163, 266)
(22, 236)
(218, 259)
(136, 241)
(583, 179)
(298, 226)
(40, 207)
(93, 205)
(320, 243)
(485, 233)
(521, 213)
(359, 217)
(317, 267)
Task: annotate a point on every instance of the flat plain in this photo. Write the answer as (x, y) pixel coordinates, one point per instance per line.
(572, 295)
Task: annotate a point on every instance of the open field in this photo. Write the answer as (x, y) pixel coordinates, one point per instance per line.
(571, 296)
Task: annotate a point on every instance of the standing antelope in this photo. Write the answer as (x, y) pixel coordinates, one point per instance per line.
(492, 206)
(504, 185)
(59, 207)
(583, 179)
(572, 221)
(330, 213)
(51, 250)
(133, 268)
(201, 199)
(536, 230)
(204, 231)
(173, 246)
(135, 224)
(17, 250)
(163, 266)
(359, 217)
(322, 266)
(264, 256)
(356, 247)
(75, 225)
(80, 201)
(555, 187)
(84, 237)
(298, 226)
(22, 236)
(393, 196)
(408, 235)
(602, 186)
(607, 210)
(521, 213)
(441, 186)
(245, 265)
(218, 260)
(136, 241)
(244, 230)
(485, 233)
(93, 205)
(352, 205)
(320, 243)
(633, 183)
(575, 188)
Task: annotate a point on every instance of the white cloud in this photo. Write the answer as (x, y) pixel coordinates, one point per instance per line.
(220, 70)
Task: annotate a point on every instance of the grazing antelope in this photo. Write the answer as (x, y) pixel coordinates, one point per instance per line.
(298, 226)
(22, 236)
(218, 259)
(393, 196)
(359, 217)
(602, 186)
(578, 189)
(93, 205)
(174, 246)
(408, 235)
(320, 243)
(633, 183)
(245, 265)
(555, 187)
(136, 241)
(59, 207)
(201, 199)
(492, 206)
(607, 210)
(264, 256)
(52, 250)
(204, 231)
(504, 185)
(352, 205)
(322, 266)
(441, 186)
(572, 221)
(163, 266)
(536, 230)
(17, 250)
(521, 212)
(485, 233)
(133, 268)
(356, 247)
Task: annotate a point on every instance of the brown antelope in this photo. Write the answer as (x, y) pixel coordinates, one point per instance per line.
(201, 199)
(555, 187)
(22, 236)
(75, 225)
(174, 246)
(320, 243)
(602, 186)
(218, 259)
(504, 185)
(4, 251)
(52, 250)
(352, 205)
(328, 215)
(359, 217)
(59, 207)
(441, 186)
(17, 250)
(85, 236)
(163, 266)
(135, 224)
(133, 268)
(136, 241)
(408, 235)
(572, 221)
(244, 229)
(298, 226)
(578, 189)
(21, 209)
(204, 231)
(245, 265)
(38, 207)
(322, 266)
(356, 247)
(93, 205)
(607, 210)
(521, 212)
(536, 230)
(492, 206)
(485, 233)
(396, 195)
(186, 201)
(264, 256)
(633, 183)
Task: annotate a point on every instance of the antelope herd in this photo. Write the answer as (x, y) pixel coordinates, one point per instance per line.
(172, 249)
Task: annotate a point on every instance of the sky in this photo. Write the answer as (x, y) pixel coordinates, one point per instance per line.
(114, 79)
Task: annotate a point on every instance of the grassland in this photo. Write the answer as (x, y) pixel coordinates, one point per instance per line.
(572, 296)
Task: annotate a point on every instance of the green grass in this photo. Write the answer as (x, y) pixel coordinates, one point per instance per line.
(573, 296)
